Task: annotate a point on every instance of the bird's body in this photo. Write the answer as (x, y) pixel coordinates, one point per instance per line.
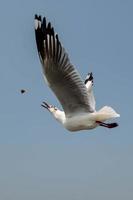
(81, 122)
(75, 96)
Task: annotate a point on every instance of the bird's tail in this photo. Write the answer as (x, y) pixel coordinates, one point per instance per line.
(106, 113)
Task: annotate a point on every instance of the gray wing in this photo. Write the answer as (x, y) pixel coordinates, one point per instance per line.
(60, 74)
(89, 84)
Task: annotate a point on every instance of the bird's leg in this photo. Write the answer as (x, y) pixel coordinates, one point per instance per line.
(107, 125)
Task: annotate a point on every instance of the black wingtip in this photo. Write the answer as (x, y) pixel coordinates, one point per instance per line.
(44, 21)
(57, 37)
(45, 32)
(40, 18)
(36, 16)
(49, 26)
(89, 77)
(52, 30)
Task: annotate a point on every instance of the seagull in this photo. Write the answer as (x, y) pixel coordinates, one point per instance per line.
(74, 94)
(23, 91)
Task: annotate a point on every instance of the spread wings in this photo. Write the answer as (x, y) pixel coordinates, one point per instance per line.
(61, 76)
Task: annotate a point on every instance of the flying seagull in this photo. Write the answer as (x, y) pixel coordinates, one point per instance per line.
(75, 95)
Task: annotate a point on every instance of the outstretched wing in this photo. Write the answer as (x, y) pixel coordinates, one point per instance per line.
(62, 77)
(89, 84)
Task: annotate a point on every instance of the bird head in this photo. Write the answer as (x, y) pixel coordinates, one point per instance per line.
(58, 114)
(49, 107)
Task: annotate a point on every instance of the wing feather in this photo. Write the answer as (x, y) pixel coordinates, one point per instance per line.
(61, 75)
(89, 83)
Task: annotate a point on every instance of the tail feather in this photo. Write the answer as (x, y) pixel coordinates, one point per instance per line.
(106, 113)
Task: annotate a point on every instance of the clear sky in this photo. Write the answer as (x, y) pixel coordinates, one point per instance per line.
(39, 159)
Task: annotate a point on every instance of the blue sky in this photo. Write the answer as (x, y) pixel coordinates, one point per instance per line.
(39, 158)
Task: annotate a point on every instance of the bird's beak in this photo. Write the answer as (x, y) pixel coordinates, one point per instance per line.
(46, 105)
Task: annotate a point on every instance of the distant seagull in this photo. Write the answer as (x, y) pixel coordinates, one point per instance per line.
(75, 96)
(22, 91)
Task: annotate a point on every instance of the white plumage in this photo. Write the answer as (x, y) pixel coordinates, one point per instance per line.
(75, 96)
